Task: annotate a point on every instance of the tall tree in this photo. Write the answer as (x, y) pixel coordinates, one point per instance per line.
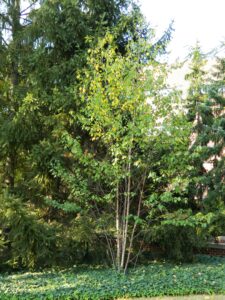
(13, 88)
(206, 112)
(215, 137)
(109, 171)
(198, 110)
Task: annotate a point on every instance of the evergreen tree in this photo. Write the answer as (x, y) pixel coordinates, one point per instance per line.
(13, 86)
(215, 138)
(206, 112)
(198, 112)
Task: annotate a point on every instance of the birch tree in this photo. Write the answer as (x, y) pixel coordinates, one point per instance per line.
(126, 106)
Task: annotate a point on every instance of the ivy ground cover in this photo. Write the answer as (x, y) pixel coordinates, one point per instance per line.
(205, 276)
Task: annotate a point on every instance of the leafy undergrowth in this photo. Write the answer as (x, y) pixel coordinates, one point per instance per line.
(206, 276)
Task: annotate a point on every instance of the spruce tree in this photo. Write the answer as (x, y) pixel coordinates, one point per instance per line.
(215, 136)
(206, 104)
(198, 112)
(13, 85)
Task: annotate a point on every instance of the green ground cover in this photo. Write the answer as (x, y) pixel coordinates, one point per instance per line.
(205, 276)
(195, 297)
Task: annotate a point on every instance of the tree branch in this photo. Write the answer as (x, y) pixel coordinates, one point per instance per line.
(5, 18)
(28, 7)
(4, 41)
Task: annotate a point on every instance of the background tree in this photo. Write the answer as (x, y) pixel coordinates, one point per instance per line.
(198, 111)
(206, 112)
(215, 138)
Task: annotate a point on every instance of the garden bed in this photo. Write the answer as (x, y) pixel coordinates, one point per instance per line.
(205, 276)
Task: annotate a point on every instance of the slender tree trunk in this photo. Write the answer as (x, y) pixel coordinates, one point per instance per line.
(135, 225)
(127, 211)
(118, 233)
(10, 169)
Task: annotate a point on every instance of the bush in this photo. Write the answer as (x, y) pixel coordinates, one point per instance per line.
(177, 242)
(28, 241)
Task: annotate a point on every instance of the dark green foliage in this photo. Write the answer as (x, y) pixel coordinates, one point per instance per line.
(81, 243)
(59, 31)
(28, 242)
(178, 243)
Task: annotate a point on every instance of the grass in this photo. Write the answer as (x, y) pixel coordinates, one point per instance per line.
(206, 276)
